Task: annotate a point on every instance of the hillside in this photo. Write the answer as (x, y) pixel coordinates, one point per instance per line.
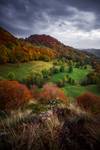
(63, 50)
(36, 47)
(7, 38)
(14, 50)
(44, 40)
(49, 95)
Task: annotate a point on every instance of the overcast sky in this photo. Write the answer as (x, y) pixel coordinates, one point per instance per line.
(73, 22)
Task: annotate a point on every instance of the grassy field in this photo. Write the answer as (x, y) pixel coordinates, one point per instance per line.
(77, 74)
(23, 69)
(76, 90)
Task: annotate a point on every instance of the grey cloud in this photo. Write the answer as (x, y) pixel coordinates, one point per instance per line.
(25, 17)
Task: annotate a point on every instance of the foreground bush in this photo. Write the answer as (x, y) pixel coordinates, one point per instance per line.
(89, 102)
(50, 92)
(13, 95)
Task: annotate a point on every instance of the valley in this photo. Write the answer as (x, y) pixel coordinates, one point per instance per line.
(49, 74)
(49, 94)
(24, 70)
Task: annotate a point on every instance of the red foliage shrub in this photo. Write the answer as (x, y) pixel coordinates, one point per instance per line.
(51, 92)
(90, 102)
(13, 95)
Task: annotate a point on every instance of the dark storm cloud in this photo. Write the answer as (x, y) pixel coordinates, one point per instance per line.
(55, 17)
(30, 11)
(84, 4)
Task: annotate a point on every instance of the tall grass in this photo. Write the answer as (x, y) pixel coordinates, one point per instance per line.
(49, 132)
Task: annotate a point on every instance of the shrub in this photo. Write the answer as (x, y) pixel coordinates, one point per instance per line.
(60, 83)
(11, 76)
(35, 78)
(13, 95)
(51, 92)
(70, 69)
(54, 70)
(45, 73)
(89, 102)
(62, 68)
(92, 77)
(71, 81)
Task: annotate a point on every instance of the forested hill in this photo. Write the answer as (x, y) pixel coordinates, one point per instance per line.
(36, 47)
(63, 50)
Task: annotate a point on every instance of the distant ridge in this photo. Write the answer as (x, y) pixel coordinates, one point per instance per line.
(94, 51)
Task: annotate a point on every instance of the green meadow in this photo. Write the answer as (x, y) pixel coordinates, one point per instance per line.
(77, 74)
(22, 70)
(76, 90)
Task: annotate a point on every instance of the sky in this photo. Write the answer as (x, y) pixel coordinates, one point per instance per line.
(74, 22)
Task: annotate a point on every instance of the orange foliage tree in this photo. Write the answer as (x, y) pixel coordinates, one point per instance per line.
(3, 54)
(89, 102)
(13, 95)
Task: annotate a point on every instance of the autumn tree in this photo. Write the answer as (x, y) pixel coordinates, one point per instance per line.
(13, 95)
(3, 54)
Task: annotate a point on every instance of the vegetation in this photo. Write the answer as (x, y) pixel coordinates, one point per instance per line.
(23, 70)
(76, 90)
(89, 102)
(77, 74)
(11, 76)
(13, 95)
(49, 95)
(53, 129)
